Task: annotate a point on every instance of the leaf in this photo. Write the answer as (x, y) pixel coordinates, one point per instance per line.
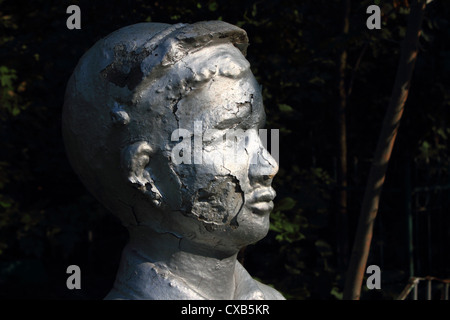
(5, 204)
(323, 248)
(285, 108)
(7, 76)
(285, 204)
(336, 293)
(15, 111)
(317, 80)
(213, 6)
(254, 10)
(426, 36)
(441, 133)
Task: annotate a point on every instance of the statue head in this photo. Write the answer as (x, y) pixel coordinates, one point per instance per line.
(147, 120)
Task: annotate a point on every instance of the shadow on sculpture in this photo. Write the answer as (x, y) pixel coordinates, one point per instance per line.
(147, 120)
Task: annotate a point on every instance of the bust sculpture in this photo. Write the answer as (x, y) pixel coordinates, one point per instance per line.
(187, 221)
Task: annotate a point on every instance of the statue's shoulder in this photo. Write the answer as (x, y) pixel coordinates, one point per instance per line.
(269, 292)
(248, 288)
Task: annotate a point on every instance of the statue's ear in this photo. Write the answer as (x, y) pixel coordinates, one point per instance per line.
(135, 160)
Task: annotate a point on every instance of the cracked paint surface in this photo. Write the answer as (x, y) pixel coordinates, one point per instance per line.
(128, 94)
(212, 204)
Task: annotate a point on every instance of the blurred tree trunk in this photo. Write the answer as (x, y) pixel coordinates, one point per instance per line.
(369, 209)
(341, 218)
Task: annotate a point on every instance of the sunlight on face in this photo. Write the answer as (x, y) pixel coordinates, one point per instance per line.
(229, 188)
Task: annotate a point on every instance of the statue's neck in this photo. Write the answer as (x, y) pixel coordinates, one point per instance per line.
(163, 266)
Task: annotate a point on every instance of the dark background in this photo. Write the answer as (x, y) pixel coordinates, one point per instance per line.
(48, 220)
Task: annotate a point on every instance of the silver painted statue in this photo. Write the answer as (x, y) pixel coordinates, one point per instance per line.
(134, 98)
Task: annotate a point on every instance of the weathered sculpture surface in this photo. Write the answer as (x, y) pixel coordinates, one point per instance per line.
(186, 220)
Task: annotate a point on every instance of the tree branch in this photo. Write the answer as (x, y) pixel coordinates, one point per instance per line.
(369, 209)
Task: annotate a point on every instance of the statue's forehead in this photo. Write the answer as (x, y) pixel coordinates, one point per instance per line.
(218, 76)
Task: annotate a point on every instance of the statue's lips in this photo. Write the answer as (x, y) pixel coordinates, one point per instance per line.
(261, 200)
(262, 207)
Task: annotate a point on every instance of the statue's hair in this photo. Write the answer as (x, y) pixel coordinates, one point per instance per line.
(107, 83)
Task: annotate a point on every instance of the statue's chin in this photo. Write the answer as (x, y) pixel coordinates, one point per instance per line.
(247, 228)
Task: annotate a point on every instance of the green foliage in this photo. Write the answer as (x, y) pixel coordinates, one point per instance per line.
(46, 215)
(285, 108)
(297, 223)
(287, 229)
(10, 102)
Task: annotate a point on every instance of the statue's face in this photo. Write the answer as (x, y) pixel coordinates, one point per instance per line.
(226, 183)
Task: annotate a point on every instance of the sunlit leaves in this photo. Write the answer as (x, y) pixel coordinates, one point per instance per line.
(10, 101)
(285, 108)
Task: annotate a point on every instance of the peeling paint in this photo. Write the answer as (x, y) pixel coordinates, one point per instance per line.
(186, 222)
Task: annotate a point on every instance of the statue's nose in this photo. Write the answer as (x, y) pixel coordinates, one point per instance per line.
(263, 169)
